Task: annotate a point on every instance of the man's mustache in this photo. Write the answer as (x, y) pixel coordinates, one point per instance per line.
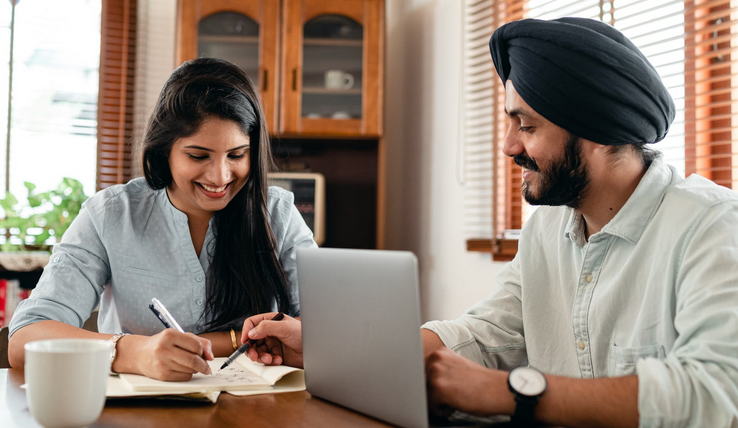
(526, 162)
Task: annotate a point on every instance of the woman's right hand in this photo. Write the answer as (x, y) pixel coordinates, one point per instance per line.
(169, 355)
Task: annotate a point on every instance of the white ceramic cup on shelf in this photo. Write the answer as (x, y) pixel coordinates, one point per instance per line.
(66, 381)
(338, 79)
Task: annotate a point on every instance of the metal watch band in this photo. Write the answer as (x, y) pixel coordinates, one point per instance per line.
(114, 349)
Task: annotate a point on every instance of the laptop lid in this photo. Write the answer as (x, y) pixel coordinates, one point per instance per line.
(360, 313)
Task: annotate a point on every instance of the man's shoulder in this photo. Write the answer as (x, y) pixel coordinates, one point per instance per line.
(701, 192)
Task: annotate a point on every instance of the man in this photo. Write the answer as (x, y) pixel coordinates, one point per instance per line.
(624, 291)
(623, 297)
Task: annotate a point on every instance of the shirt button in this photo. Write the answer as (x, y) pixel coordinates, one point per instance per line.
(581, 345)
(199, 302)
(198, 278)
(588, 278)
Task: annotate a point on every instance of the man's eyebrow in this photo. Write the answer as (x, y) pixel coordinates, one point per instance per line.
(518, 112)
(245, 146)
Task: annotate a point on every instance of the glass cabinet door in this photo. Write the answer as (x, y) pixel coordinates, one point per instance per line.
(332, 68)
(332, 63)
(233, 37)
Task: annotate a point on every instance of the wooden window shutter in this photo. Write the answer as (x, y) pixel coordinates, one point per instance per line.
(116, 95)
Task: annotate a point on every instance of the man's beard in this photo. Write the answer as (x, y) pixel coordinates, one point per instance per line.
(563, 183)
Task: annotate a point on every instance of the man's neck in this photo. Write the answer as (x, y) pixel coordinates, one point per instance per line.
(610, 187)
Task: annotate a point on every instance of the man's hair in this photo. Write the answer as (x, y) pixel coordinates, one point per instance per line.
(646, 153)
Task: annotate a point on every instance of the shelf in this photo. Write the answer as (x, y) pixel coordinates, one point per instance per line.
(229, 39)
(329, 91)
(333, 42)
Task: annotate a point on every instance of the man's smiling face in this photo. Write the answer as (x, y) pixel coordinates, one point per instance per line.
(554, 172)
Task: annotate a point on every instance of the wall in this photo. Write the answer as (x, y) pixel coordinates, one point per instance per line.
(424, 198)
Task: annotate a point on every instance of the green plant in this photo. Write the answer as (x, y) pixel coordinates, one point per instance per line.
(42, 216)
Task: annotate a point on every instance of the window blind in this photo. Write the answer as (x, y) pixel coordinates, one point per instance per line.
(485, 171)
(116, 94)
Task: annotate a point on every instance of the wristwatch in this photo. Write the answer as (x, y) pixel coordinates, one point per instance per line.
(527, 385)
(114, 349)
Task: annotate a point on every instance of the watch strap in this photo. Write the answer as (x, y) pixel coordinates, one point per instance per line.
(114, 349)
(524, 410)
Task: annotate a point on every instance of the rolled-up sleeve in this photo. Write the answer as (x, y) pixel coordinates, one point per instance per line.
(490, 332)
(696, 385)
(71, 284)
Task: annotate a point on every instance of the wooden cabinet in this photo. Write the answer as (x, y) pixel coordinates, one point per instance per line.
(319, 67)
(327, 53)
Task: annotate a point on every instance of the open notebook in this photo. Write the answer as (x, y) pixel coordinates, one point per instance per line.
(243, 377)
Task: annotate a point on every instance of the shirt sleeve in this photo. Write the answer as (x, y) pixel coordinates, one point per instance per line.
(696, 385)
(71, 284)
(296, 234)
(490, 332)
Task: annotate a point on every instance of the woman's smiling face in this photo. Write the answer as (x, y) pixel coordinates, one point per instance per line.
(209, 168)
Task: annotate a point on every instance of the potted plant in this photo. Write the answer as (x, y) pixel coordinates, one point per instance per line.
(43, 218)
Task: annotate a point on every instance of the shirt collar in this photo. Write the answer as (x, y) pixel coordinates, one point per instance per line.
(169, 208)
(633, 218)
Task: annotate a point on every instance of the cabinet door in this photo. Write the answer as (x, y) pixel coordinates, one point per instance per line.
(332, 67)
(242, 32)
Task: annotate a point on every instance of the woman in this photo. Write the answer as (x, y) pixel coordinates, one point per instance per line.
(201, 233)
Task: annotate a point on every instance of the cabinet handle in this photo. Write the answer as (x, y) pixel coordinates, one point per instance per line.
(294, 80)
(265, 77)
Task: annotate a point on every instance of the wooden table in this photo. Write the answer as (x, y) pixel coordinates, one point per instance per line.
(296, 409)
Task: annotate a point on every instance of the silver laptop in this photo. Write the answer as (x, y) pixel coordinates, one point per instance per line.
(361, 334)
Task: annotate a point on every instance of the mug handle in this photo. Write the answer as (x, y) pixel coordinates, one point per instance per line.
(348, 81)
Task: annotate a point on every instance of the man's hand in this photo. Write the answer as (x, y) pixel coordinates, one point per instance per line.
(280, 342)
(455, 382)
(169, 355)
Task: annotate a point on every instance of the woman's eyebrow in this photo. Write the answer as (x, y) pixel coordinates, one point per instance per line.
(245, 146)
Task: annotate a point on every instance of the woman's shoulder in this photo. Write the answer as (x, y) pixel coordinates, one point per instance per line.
(120, 195)
(277, 196)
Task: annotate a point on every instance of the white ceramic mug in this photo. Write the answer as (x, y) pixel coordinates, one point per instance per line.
(66, 380)
(338, 79)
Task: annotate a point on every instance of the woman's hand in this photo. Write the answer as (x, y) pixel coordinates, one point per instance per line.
(169, 355)
(279, 342)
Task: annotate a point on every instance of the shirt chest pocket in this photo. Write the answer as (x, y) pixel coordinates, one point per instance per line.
(622, 361)
(129, 270)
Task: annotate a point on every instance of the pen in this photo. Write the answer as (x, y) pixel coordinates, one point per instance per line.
(163, 314)
(246, 345)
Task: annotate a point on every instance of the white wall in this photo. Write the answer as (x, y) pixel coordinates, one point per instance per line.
(424, 199)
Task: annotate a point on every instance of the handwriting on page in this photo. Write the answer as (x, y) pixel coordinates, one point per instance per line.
(233, 375)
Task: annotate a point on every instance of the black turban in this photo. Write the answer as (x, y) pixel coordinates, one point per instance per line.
(586, 77)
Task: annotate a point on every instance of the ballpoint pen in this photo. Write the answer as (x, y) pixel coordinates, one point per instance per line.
(246, 345)
(163, 314)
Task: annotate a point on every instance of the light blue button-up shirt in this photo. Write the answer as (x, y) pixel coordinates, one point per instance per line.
(129, 244)
(654, 293)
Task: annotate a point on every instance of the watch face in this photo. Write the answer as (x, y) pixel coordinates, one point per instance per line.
(527, 381)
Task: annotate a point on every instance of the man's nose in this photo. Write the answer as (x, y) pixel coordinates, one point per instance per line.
(511, 145)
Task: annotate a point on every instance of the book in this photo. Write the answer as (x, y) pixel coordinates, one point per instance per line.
(11, 295)
(3, 293)
(242, 377)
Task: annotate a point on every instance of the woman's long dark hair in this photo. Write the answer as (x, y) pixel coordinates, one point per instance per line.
(246, 276)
